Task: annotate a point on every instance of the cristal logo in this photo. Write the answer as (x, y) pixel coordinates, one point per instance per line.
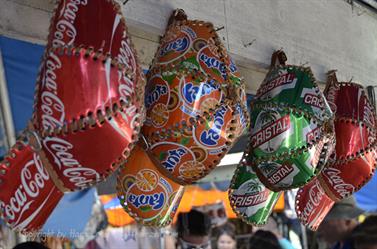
(211, 137)
(178, 45)
(282, 172)
(313, 100)
(269, 130)
(251, 193)
(154, 95)
(72, 169)
(173, 158)
(33, 179)
(193, 93)
(315, 196)
(312, 135)
(333, 176)
(52, 107)
(155, 201)
(212, 62)
(65, 27)
(281, 80)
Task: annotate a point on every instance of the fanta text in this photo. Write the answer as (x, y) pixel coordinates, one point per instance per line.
(154, 95)
(155, 201)
(180, 44)
(211, 137)
(212, 62)
(173, 158)
(193, 93)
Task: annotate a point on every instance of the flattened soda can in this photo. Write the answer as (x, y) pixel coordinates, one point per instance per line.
(145, 194)
(293, 86)
(249, 198)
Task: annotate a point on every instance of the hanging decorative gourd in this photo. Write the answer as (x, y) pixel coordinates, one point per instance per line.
(28, 195)
(291, 127)
(146, 195)
(195, 101)
(89, 98)
(354, 160)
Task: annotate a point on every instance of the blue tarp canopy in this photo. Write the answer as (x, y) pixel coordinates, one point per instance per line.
(21, 61)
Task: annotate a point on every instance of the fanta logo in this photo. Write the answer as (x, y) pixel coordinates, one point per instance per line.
(280, 174)
(155, 201)
(173, 158)
(242, 116)
(312, 135)
(212, 62)
(270, 131)
(335, 179)
(155, 95)
(232, 67)
(212, 136)
(178, 45)
(277, 82)
(192, 93)
(248, 200)
(313, 100)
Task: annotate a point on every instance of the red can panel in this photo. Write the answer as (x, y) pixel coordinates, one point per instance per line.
(312, 204)
(341, 180)
(30, 195)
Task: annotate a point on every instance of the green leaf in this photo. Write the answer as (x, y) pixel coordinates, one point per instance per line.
(145, 208)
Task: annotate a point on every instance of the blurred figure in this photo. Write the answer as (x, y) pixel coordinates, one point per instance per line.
(364, 235)
(194, 230)
(30, 245)
(226, 237)
(272, 226)
(339, 223)
(216, 212)
(262, 239)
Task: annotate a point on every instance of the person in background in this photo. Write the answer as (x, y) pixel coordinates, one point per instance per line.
(339, 223)
(194, 230)
(272, 226)
(226, 237)
(364, 235)
(30, 245)
(262, 239)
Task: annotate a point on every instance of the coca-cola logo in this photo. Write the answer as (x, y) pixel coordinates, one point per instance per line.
(334, 178)
(61, 151)
(332, 95)
(126, 55)
(33, 178)
(52, 107)
(66, 32)
(314, 200)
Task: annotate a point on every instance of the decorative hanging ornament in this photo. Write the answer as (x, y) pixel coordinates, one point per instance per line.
(292, 132)
(355, 127)
(249, 198)
(89, 96)
(145, 194)
(195, 101)
(28, 195)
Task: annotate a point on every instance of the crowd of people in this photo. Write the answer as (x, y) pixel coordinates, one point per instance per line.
(341, 229)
